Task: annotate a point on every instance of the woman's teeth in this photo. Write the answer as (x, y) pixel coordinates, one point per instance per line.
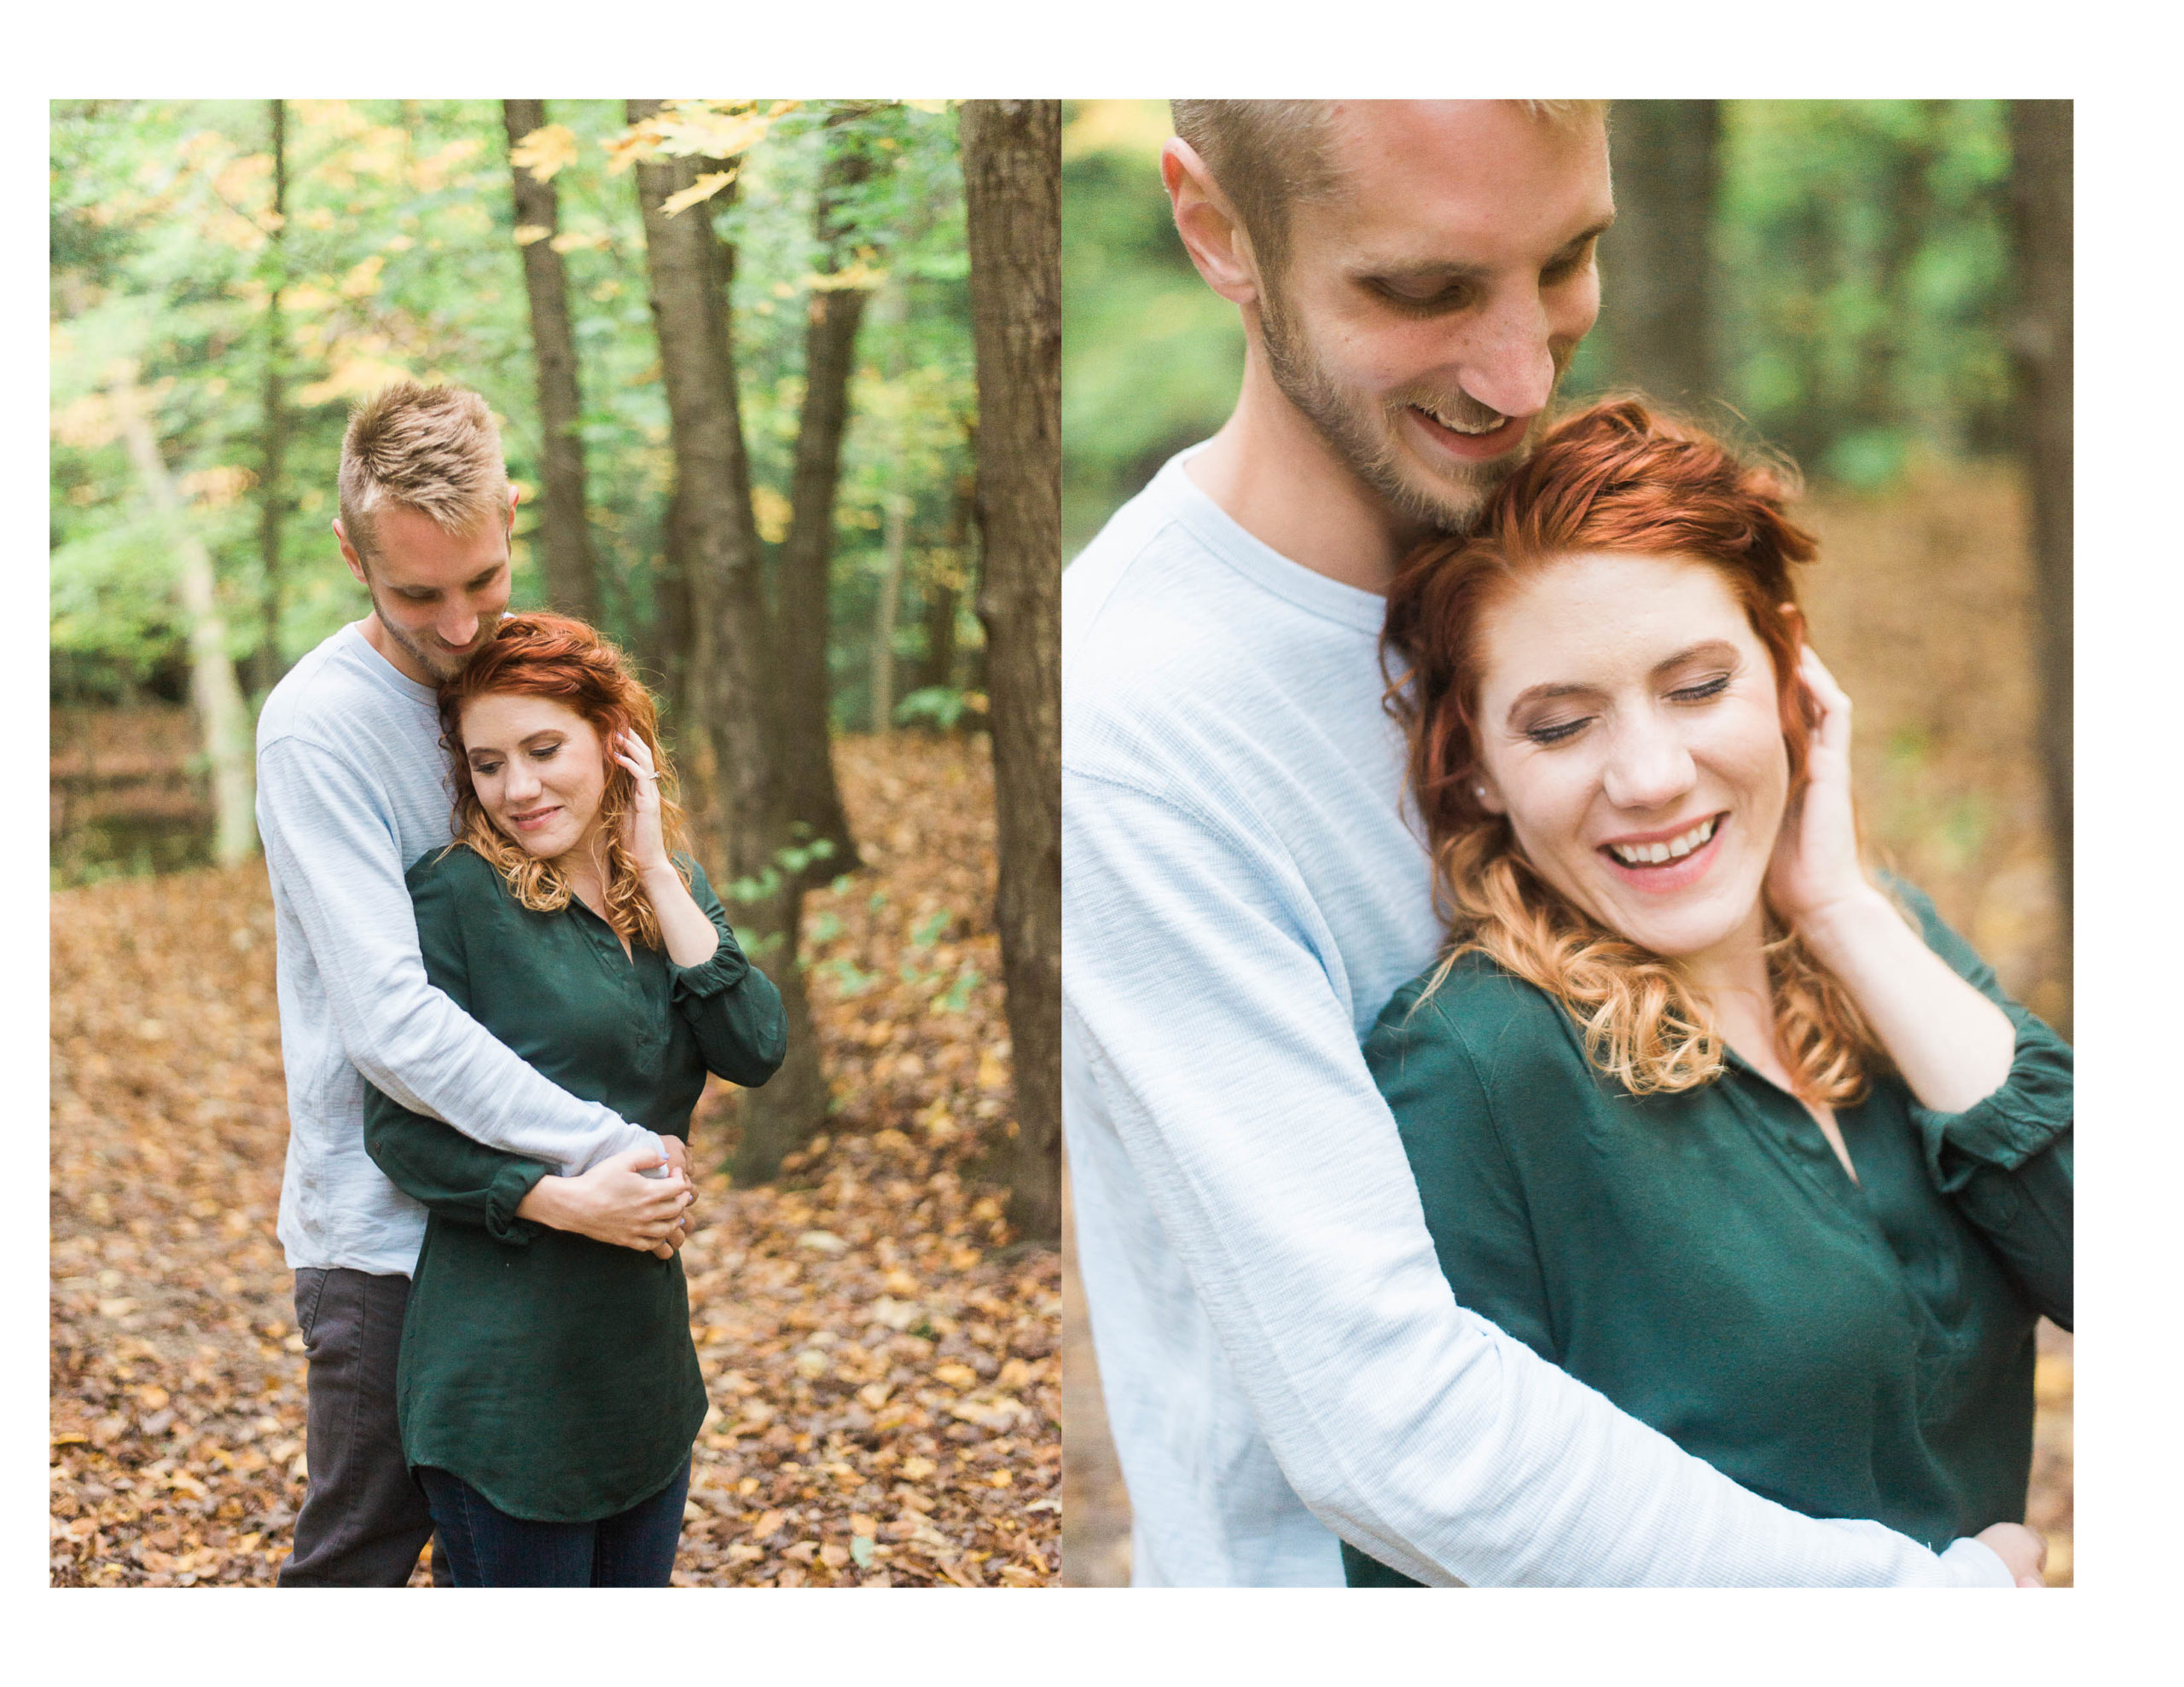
(1643, 855)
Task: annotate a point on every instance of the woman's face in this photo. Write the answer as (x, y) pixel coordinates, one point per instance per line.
(1629, 729)
(538, 768)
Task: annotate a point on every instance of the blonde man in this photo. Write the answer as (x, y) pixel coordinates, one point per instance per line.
(1282, 1359)
(350, 791)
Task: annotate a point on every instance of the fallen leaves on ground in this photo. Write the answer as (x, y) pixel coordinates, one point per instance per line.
(881, 1359)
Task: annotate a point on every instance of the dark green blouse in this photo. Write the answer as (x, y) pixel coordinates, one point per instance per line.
(553, 1373)
(1849, 1349)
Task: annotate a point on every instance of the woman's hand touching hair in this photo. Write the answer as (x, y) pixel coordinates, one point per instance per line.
(615, 1204)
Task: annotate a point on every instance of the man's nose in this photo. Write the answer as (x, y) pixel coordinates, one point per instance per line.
(457, 626)
(1648, 767)
(1511, 365)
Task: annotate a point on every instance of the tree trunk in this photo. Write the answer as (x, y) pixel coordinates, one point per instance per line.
(893, 309)
(2041, 148)
(273, 442)
(1012, 180)
(887, 608)
(731, 656)
(1906, 199)
(804, 609)
(944, 591)
(1657, 264)
(222, 713)
(571, 577)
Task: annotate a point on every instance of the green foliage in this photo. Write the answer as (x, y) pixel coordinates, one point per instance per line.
(398, 257)
(1151, 356)
(1861, 281)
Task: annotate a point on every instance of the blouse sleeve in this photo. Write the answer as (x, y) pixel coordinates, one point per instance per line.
(731, 1007)
(1467, 1181)
(2006, 1160)
(431, 1162)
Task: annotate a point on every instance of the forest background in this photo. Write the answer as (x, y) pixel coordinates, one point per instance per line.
(738, 351)
(1879, 288)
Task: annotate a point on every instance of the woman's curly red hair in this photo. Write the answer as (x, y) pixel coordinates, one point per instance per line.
(540, 654)
(1618, 477)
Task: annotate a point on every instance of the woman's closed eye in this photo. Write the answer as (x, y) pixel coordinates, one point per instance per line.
(1702, 691)
(1555, 732)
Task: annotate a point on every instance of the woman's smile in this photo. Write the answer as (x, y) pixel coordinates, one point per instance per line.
(1631, 731)
(538, 768)
(1669, 858)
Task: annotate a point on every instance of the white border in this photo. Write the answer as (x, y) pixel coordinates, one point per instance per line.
(2107, 56)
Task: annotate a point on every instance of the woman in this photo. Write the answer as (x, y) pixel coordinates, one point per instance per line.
(1697, 1111)
(548, 1391)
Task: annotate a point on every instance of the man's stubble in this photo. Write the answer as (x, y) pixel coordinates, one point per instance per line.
(442, 666)
(1362, 431)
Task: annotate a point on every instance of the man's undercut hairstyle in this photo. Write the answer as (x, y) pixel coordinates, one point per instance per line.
(434, 450)
(1267, 156)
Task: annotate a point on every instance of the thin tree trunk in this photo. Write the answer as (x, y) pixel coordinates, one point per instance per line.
(221, 715)
(731, 657)
(274, 421)
(1906, 196)
(1656, 290)
(571, 577)
(944, 591)
(807, 559)
(887, 608)
(893, 309)
(2041, 146)
(1012, 179)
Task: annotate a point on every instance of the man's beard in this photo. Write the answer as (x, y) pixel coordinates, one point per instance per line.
(442, 664)
(1362, 431)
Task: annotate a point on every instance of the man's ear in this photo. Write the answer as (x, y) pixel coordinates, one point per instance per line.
(1211, 232)
(349, 555)
(515, 497)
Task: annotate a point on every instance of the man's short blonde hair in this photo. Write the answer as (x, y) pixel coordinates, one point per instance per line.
(1266, 155)
(435, 449)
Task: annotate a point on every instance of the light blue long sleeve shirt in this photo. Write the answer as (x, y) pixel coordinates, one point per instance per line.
(351, 789)
(1281, 1358)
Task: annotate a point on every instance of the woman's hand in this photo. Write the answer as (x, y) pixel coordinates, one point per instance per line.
(612, 1202)
(2023, 1550)
(642, 835)
(1952, 1044)
(1815, 871)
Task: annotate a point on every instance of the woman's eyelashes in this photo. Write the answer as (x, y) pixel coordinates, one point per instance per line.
(1554, 732)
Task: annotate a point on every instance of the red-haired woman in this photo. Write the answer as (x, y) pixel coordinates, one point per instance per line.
(1698, 1110)
(547, 1390)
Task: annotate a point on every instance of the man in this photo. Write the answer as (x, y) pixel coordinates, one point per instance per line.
(351, 789)
(1282, 1359)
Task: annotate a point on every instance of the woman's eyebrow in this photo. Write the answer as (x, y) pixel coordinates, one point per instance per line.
(1542, 693)
(1707, 647)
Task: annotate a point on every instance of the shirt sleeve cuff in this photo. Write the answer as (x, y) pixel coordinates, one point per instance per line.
(504, 1194)
(2034, 1104)
(723, 970)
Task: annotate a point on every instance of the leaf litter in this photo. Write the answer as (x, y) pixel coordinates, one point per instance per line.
(882, 1357)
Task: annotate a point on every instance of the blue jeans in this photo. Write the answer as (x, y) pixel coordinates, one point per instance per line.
(487, 1548)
